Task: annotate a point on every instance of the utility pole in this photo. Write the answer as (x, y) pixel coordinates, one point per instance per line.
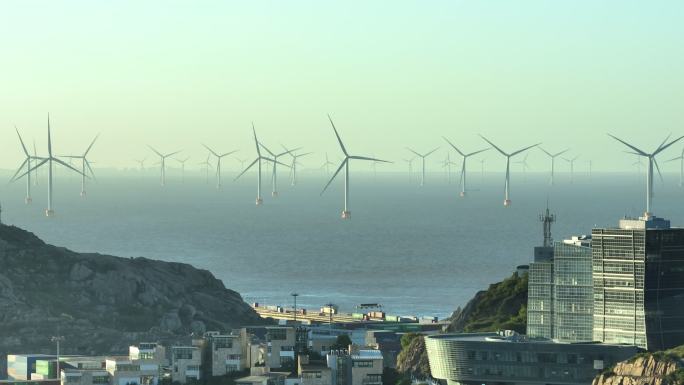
(58, 339)
(294, 296)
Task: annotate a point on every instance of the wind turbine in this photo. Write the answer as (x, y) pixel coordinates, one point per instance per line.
(84, 164)
(162, 163)
(218, 163)
(49, 160)
(423, 156)
(274, 173)
(572, 167)
(327, 164)
(523, 163)
(258, 160)
(507, 201)
(293, 168)
(36, 174)
(141, 163)
(447, 163)
(553, 160)
(651, 162)
(182, 162)
(681, 167)
(206, 165)
(462, 180)
(27, 162)
(346, 213)
(410, 167)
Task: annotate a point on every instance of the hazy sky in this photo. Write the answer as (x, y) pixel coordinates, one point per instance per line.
(392, 73)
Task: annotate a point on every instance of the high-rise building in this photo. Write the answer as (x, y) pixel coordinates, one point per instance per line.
(638, 279)
(573, 299)
(540, 284)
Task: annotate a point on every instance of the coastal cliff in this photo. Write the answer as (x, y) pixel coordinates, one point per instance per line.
(101, 304)
(660, 368)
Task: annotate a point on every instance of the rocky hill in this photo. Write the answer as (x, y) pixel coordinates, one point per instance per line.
(101, 303)
(660, 368)
(502, 306)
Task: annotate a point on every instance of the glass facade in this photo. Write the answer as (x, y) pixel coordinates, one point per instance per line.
(639, 286)
(486, 358)
(540, 299)
(573, 299)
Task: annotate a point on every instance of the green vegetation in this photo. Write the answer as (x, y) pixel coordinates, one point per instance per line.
(502, 307)
(342, 343)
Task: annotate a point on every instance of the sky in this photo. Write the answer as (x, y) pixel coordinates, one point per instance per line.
(175, 74)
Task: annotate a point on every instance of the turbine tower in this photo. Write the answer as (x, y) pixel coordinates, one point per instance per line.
(572, 167)
(409, 162)
(162, 163)
(218, 163)
(293, 167)
(553, 160)
(258, 160)
(681, 167)
(84, 165)
(651, 161)
(274, 173)
(206, 165)
(327, 164)
(182, 162)
(465, 157)
(49, 160)
(346, 213)
(27, 162)
(507, 200)
(423, 156)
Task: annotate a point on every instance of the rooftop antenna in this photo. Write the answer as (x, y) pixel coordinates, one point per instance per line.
(507, 201)
(651, 161)
(547, 219)
(422, 157)
(553, 160)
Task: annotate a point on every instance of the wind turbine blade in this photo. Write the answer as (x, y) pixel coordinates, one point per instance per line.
(413, 151)
(344, 150)
(288, 151)
(68, 166)
(91, 145)
(229, 153)
(49, 139)
(629, 145)
(19, 169)
(452, 145)
(274, 161)
(431, 152)
(256, 141)
(171, 154)
(524, 149)
(494, 145)
(677, 158)
(371, 159)
(92, 173)
(210, 150)
(334, 175)
(562, 152)
(157, 152)
(304, 154)
(658, 168)
(662, 148)
(476, 152)
(267, 150)
(42, 162)
(248, 167)
(22, 142)
(546, 152)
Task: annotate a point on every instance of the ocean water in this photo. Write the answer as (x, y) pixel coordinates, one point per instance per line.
(415, 250)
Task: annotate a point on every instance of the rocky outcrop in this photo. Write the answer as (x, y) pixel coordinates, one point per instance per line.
(413, 359)
(502, 306)
(643, 370)
(100, 303)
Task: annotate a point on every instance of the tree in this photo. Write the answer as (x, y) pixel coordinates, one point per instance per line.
(342, 343)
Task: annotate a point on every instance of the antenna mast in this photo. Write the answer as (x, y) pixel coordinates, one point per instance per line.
(547, 219)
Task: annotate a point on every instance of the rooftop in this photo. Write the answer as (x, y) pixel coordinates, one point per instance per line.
(367, 355)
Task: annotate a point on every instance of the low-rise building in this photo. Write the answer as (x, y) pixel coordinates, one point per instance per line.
(185, 363)
(366, 367)
(262, 379)
(225, 354)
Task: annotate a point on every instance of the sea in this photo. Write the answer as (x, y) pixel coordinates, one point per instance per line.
(415, 250)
